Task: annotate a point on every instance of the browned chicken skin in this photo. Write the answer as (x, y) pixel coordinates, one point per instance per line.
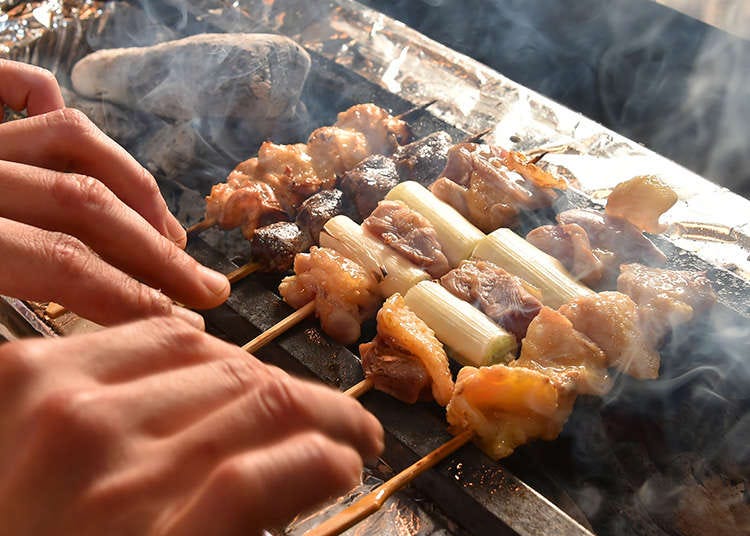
(569, 244)
(404, 354)
(410, 234)
(641, 200)
(344, 293)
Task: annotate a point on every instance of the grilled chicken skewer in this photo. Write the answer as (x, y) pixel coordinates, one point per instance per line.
(272, 185)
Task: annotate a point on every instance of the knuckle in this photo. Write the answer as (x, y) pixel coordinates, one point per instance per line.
(80, 191)
(76, 418)
(149, 300)
(280, 401)
(233, 476)
(69, 254)
(18, 363)
(71, 122)
(236, 374)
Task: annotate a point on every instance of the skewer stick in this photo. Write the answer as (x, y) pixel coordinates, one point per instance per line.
(372, 502)
(416, 109)
(199, 227)
(473, 138)
(280, 327)
(358, 389)
(242, 272)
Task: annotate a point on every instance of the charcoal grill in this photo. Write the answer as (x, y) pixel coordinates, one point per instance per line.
(616, 467)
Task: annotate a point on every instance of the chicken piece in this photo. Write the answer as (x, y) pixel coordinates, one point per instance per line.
(408, 233)
(274, 246)
(424, 159)
(250, 206)
(397, 373)
(570, 245)
(402, 333)
(344, 293)
(317, 210)
(289, 170)
(368, 182)
(519, 163)
(384, 132)
(611, 320)
(492, 194)
(665, 298)
(614, 234)
(501, 296)
(336, 150)
(507, 407)
(641, 200)
(554, 347)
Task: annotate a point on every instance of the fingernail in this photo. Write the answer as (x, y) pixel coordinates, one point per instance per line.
(191, 317)
(213, 281)
(175, 231)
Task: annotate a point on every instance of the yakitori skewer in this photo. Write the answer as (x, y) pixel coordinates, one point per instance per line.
(374, 500)
(337, 162)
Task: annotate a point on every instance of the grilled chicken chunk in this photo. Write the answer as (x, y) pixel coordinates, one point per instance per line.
(611, 320)
(384, 132)
(486, 190)
(317, 210)
(665, 298)
(410, 234)
(368, 182)
(615, 235)
(501, 296)
(404, 354)
(569, 244)
(336, 150)
(249, 206)
(344, 293)
(641, 200)
(574, 362)
(507, 407)
(423, 160)
(275, 245)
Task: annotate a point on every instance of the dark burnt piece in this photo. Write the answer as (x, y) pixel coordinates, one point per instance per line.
(369, 181)
(274, 246)
(423, 160)
(317, 210)
(395, 372)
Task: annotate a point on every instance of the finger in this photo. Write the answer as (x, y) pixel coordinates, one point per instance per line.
(163, 404)
(274, 408)
(267, 488)
(83, 207)
(44, 266)
(30, 88)
(66, 140)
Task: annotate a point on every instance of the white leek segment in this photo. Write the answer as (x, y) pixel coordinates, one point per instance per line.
(456, 235)
(393, 272)
(517, 256)
(470, 336)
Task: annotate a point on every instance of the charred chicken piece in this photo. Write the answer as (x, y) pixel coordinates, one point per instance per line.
(424, 159)
(611, 320)
(275, 245)
(501, 296)
(665, 298)
(507, 406)
(344, 293)
(410, 234)
(554, 347)
(384, 132)
(369, 181)
(641, 200)
(614, 241)
(569, 244)
(249, 206)
(317, 210)
(405, 359)
(486, 190)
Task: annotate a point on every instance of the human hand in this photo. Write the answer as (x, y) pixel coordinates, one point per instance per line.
(81, 222)
(157, 428)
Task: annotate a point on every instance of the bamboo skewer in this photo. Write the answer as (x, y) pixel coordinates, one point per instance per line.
(280, 327)
(358, 389)
(201, 226)
(415, 109)
(372, 502)
(243, 271)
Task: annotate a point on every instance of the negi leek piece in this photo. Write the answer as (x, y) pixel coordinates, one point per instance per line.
(393, 272)
(519, 257)
(470, 337)
(456, 235)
